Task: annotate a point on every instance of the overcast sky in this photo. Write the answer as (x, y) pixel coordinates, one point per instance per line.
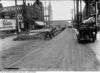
(62, 10)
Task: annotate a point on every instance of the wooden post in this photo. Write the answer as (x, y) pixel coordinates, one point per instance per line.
(77, 6)
(74, 9)
(81, 11)
(74, 14)
(17, 26)
(45, 14)
(96, 3)
(49, 13)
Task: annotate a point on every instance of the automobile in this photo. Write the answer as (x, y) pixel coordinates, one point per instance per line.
(70, 26)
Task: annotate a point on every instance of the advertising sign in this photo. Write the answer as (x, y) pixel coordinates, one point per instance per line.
(7, 24)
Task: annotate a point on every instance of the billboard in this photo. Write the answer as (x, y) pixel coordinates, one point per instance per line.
(7, 24)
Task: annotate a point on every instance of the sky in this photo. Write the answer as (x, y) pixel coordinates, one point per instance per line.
(62, 10)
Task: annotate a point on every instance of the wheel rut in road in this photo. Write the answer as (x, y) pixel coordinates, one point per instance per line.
(61, 53)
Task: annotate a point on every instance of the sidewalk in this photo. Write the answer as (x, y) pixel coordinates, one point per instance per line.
(40, 30)
(9, 42)
(3, 36)
(32, 32)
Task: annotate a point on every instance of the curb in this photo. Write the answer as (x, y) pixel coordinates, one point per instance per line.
(75, 30)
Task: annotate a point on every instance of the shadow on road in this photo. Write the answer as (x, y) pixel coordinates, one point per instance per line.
(85, 42)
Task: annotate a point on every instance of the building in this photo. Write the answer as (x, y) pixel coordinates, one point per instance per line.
(92, 7)
(1, 7)
(38, 11)
(33, 12)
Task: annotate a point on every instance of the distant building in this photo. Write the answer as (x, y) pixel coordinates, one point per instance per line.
(38, 11)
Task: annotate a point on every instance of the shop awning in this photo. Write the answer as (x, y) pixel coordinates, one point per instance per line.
(40, 23)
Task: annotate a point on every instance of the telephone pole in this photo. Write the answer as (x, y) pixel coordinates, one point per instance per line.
(74, 9)
(77, 6)
(80, 11)
(24, 14)
(49, 9)
(45, 15)
(17, 26)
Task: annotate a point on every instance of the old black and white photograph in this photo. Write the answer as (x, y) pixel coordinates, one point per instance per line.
(49, 35)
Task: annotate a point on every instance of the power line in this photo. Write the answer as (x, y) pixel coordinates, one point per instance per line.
(35, 0)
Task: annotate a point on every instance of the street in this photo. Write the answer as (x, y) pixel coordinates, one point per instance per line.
(41, 35)
(63, 52)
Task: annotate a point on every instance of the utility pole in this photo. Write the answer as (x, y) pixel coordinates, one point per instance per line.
(96, 13)
(74, 14)
(81, 11)
(45, 14)
(24, 8)
(17, 26)
(77, 6)
(74, 9)
(24, 13)
(49, 12)
(87, 8)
